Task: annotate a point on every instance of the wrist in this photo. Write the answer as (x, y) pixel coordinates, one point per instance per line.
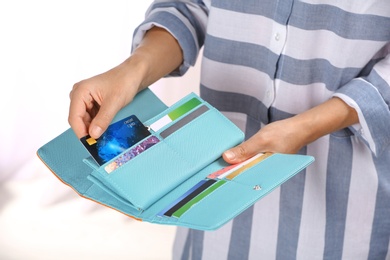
(328, 117)
(137, 68)
(308, 129)
(158, 54)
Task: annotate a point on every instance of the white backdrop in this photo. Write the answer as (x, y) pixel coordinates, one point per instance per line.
(46, 47)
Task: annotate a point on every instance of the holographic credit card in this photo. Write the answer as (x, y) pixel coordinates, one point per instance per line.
(118, 137)
(130, 154)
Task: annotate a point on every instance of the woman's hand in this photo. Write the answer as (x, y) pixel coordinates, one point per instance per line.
(290, 135)
(95, 101)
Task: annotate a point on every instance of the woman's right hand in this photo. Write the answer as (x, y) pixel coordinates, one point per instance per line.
(94, 102)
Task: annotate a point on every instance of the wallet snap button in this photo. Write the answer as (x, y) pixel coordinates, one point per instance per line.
(257, 187)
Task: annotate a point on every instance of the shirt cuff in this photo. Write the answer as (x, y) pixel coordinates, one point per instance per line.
(360, 128)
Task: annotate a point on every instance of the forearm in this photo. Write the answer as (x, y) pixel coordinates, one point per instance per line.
(291, 134)
(156, 56)
(328, 117)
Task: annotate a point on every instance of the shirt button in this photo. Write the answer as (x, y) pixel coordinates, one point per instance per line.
(277, 37)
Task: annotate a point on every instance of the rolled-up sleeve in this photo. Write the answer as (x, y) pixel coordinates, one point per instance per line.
(370, 96)
(185, 20)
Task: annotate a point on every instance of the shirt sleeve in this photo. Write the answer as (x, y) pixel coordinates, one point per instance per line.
(370, 97)
(185, 20)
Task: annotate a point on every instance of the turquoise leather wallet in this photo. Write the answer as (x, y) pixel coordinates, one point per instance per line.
(165, 184)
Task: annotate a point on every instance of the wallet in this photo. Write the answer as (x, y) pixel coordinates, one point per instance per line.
(166, 184)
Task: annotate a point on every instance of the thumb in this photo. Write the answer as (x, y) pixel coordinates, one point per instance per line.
(103, 118)
(240, 153)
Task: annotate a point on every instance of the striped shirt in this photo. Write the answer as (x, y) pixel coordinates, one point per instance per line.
(268, 60)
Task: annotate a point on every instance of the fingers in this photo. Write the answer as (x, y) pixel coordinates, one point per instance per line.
(241, 152)
(90, 111)
(79, 118)
(283, 136)
(107, 111)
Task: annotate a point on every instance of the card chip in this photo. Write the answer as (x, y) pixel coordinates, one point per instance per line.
(91, 141)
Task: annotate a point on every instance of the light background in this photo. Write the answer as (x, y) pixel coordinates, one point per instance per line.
(46, 47)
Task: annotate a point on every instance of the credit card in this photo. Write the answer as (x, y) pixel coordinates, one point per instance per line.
(118, 137)
(221, 171)
(198, 198)
(183, 121)
(176, 113)
(256, 158)
(250, 163)
(189, 197)
(130, 154)
(181, 198)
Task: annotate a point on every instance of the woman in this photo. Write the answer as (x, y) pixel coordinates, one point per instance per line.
(297, 76)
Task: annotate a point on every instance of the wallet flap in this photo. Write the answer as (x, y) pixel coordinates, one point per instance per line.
(230, 197)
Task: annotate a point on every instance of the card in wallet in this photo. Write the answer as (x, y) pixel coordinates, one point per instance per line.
(174, 176)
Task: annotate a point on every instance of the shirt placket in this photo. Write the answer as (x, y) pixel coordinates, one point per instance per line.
(277, 45)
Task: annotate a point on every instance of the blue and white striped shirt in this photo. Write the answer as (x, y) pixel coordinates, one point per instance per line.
(268, 60)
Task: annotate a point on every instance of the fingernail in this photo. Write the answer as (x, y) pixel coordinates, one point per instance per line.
(230, 155)
(96, 131)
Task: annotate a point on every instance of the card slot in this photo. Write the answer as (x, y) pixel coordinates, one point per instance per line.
(149, 176)
(157, 208)
(192, 196)
(130, 154)
(92, 163)
(273, 171)
(168, 124)
(198, 198)
(205, 138)
(119, 136)
(186, 197)
(201, 187)
(229, 171)
(219, 206)
(174, 112)
(235, 170)
(134, 159)
(182, 122)
(243, 190)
